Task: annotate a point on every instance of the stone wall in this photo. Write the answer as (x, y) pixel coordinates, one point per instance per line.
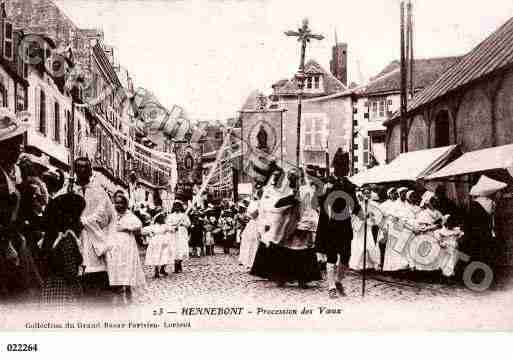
(504, 111)
(393, 141)
(417, 136)
(474, 124)
(476, 110)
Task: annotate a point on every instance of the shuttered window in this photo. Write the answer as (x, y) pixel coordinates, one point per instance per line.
(57, 122)
(42, 111)
(8, 46)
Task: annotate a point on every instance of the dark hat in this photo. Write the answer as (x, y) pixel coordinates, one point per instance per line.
(332, 180)
(65, 210)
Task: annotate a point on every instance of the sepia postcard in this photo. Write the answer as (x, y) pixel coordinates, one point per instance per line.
(186, 165)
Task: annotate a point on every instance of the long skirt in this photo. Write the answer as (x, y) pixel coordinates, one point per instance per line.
(357, 248)
(285, 264)
(123, 262)
(58, 290)
(249, 244)
(394, 258)
(19, 274)
(159, 251)
(196, 237)
(181, 250)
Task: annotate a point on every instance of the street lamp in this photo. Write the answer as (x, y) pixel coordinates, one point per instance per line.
(303, 34)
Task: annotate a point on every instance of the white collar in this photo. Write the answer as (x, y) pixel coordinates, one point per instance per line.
(486, 203)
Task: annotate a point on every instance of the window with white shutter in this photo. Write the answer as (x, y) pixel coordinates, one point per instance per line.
(374, 110)
(308, 132)
(366, 151)
(315, 131)
(382, 108)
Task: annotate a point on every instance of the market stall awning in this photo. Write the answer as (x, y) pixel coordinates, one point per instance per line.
(369, 176)
(487, 159)
(409, 166)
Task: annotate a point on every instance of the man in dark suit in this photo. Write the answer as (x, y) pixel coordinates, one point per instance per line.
(335, 233)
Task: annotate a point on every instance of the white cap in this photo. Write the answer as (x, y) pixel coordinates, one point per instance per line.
(486, 187)
(402, 189)
(390, 190)
(426, 197)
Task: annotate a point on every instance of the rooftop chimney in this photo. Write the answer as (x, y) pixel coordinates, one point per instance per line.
(338, 63)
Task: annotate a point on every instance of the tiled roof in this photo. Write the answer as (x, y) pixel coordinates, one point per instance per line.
(331, 83)
(280, 83)
(491, 55)
(426, 71)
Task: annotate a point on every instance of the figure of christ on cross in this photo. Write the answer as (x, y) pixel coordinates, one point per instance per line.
(303, 34)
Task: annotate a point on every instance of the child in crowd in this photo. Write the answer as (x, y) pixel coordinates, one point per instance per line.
(159, 251)
(196, 229)
(123, 261)
(229, 230)
(210, 228)
(448, 237)
(178, 223)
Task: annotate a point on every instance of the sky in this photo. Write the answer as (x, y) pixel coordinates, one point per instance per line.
(209, 55)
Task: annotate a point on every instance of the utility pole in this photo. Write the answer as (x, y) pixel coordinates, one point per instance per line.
(303, 34)
(410, 47)
(403, 127)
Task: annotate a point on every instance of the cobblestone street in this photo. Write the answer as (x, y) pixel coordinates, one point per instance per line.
(390, 303)
(222, 277)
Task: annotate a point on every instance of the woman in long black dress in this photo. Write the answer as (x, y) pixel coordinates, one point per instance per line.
(287, 253)
(480, 242)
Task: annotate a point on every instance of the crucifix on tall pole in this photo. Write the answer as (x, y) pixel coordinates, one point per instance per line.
(303, 34)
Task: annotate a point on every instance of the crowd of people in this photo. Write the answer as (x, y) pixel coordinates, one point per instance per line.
(65, 241)
(295, 228)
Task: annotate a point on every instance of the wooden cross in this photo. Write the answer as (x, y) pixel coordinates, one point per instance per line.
(303, 34)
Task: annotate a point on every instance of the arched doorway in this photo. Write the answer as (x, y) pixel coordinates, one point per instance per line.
(442, 129)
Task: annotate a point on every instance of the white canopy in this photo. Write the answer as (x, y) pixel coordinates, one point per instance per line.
(409, 166)
(487, 159)
(372, 175)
